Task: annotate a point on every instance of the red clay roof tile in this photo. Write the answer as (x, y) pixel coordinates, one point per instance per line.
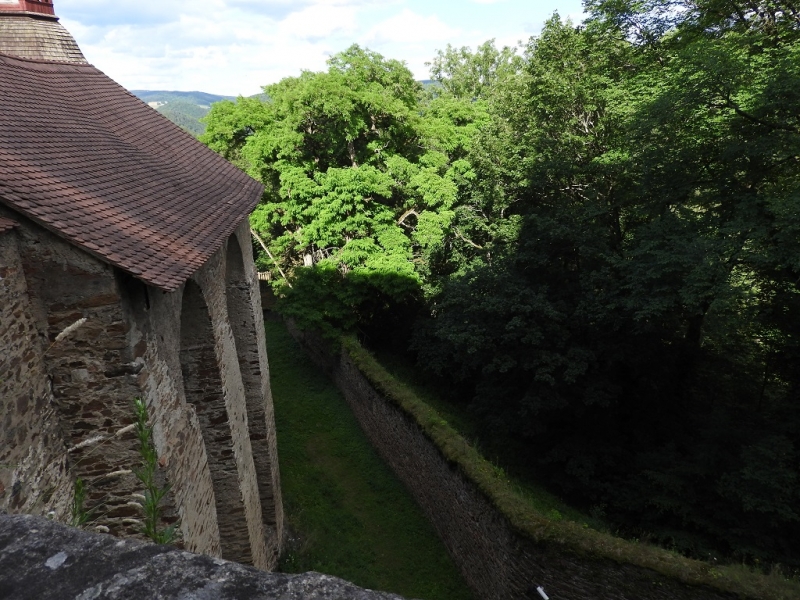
(6, 224)
(113, 176)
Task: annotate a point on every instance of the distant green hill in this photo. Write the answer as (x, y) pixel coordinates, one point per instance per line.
(185, 109)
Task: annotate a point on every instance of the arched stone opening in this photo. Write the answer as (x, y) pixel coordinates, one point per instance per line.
(202, 383)
(259, 407)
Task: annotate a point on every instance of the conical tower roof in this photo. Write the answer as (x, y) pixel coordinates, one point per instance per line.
(30, 29)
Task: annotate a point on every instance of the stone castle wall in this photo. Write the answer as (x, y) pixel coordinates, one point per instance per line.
(93, 372)
(497, 562)
(204, 382)
(192, 378)
(34, 476)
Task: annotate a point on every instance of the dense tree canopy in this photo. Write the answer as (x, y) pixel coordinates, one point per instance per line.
(596, 244)
(361, 179)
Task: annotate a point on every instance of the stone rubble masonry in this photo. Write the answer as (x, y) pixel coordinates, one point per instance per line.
(243, 293)
(497, 562)
(43, 560)
(33, 462)
(132, 345)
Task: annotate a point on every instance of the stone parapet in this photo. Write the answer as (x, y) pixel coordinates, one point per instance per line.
(42, 560)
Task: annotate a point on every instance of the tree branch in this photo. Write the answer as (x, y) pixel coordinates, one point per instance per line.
(755, 119)
(470, 242)
(401, 220)
(351, 150)
(264, 246)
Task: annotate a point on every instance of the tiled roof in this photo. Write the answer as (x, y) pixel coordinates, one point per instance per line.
(6, 224)
(39, 38)
(88, 160)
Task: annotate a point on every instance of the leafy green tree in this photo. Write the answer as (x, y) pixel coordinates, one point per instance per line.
(360, 178)
(472, 75)
(596, 242)
(619, 313)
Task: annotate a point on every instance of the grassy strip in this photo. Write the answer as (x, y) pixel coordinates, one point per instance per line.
(349, 516)
(528, 521)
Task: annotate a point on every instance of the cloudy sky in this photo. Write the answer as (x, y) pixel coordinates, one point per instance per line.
(234, 47)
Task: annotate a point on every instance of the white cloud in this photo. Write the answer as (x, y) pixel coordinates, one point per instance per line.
(409, 27)
(237, 46)
(222, 46)
(318, 21)
(103, 13)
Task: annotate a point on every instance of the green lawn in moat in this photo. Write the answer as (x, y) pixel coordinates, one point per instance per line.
(348, 514)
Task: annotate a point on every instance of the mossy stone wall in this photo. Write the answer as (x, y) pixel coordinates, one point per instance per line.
(497, 561)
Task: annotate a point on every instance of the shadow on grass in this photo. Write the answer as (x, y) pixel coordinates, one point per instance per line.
(348, 515)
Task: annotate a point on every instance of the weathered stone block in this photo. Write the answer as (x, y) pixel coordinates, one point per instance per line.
(42, 560)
